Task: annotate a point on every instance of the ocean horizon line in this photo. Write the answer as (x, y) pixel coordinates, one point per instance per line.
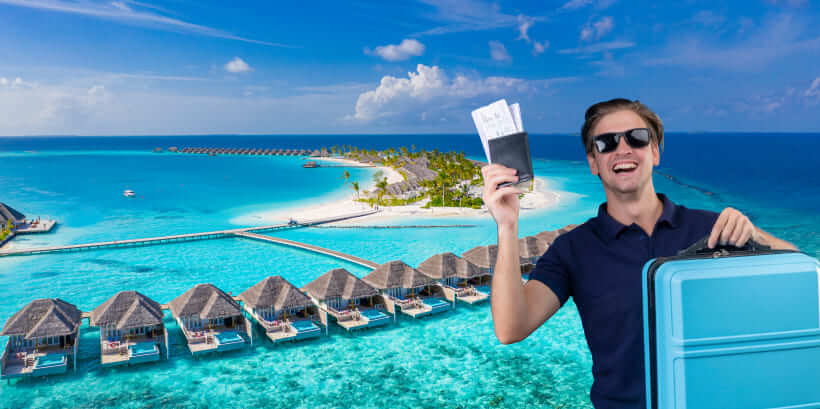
(574, 133)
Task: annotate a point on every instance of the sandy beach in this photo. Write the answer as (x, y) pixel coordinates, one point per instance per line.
(539, 199)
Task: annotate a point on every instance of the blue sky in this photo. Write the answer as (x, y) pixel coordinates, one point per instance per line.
(201, 67)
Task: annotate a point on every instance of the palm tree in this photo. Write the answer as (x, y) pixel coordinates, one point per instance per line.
(346, 176)
(382, 185)
(356, 188)
(442, 180)
(465, 188)
(378, 176)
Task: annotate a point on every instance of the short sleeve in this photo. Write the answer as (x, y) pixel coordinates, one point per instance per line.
(553, 272)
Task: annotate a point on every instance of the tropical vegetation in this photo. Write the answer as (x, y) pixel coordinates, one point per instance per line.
(452, 186)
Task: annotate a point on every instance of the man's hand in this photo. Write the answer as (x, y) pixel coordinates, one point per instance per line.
(733, 228)
(502, 203)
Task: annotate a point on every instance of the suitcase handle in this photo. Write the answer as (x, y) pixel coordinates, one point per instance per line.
(699, 247)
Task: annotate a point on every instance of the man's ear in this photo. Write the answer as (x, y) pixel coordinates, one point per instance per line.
(656, 154)
(593, 167)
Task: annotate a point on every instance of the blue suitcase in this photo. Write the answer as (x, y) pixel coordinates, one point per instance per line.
(732, 328)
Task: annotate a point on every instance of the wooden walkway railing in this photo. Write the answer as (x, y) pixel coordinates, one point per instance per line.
(219, 234)
(309, 247)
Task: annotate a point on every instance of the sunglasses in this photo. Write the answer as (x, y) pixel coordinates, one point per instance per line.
(608, 142)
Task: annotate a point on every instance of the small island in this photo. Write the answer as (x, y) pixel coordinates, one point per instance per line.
(430, 178)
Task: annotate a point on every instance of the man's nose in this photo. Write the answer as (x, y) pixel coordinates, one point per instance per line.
(623, 146)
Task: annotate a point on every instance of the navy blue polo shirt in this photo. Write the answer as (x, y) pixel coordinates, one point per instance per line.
(599, 264)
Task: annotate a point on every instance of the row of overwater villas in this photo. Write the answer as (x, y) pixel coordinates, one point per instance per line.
(44, 335)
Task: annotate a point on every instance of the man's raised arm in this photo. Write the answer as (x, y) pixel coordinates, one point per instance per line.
(518, 310)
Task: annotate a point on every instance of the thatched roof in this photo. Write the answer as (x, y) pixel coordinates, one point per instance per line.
(128, 309)
(8, 213)
(274, 292)
(46, 317)
(482, 256)
(339, 283)
(530, 247)
(547, 236)
(566, 228)
(204, 301)
(396, 274)
(448, 264)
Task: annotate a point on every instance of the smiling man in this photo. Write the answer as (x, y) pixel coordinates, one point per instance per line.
(599, 263)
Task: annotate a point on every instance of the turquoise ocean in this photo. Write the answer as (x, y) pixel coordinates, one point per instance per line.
(450, 361)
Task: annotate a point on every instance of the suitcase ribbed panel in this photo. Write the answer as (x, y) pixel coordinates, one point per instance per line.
(734, 332)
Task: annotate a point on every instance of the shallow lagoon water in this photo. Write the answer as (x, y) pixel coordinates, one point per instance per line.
(452, 360)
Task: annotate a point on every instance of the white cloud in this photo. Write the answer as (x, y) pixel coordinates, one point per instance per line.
(596, 30)
(237, 66)
(467, 15)
(498, 52)
(430, 92)
(576, 4)
(398, 52)
(119, 11)
(814, 89)
(777, 37)
(109, 104)
(524, 24)
(97, 90)
(120, 5)
(538, 48)
(16, 83)
(598, 47)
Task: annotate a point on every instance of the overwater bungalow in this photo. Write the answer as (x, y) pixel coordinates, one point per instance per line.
(547, 236)
(210, 319)
(415, 293)
(460, 279)
(350, 301)
(483, 257)
(281, 309)
(131, 329)
(43, 339)
(7, 213)
(530, 249)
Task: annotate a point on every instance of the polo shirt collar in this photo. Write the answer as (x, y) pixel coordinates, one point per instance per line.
(612, 228)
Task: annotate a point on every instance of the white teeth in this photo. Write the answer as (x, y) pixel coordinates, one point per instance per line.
(624, 166)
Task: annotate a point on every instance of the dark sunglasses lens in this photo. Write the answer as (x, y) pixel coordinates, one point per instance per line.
(606, 142)
(638, 137)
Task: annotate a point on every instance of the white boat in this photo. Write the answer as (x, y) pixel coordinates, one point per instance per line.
(129, 193)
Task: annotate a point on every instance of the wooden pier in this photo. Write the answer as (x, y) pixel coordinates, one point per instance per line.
(219, 234)
(250, 151)
(309, 247)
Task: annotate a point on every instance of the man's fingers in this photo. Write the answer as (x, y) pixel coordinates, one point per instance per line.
(499, 171)
(728, 229)
(504, 191)
(740, 231)
(748, 233)
(717, 229)
(737, 233)
(489, 170)
(491, 183)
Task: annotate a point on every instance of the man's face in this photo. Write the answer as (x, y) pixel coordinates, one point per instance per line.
(634, 165)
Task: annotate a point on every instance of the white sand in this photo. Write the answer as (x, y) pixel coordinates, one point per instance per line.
(539, 199)
(392, 175)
